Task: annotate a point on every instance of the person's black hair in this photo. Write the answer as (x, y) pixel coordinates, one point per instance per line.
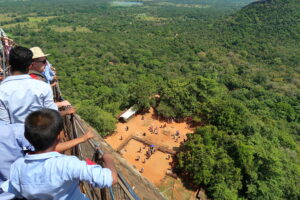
(42, 128)
(20, 58)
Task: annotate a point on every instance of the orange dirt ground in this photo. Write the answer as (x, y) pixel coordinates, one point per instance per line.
(157, 165)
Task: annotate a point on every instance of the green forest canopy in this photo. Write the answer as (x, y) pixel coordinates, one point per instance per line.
(235, 70)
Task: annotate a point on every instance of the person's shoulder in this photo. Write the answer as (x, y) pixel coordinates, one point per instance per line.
(18, 128)
(5, 84)
(20, 160)
(25, 80)
(15, 168)
(36, 81)
(73, 163)
(17, 164)
(15, 129)
(67, 158)
(39, 83)
(66, 164)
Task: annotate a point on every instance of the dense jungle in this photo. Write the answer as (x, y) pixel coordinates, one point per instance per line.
(232, 67)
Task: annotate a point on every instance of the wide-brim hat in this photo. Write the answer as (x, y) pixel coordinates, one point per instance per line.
(38, 53)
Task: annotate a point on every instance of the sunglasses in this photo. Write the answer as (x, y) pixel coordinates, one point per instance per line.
(41, 61)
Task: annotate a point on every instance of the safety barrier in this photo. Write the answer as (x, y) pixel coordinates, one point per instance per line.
(5, 45)
(91, 149)
(122, 190)
(131, 185)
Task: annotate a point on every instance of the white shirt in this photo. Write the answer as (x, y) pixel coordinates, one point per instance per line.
(20, 95)
(54, 176)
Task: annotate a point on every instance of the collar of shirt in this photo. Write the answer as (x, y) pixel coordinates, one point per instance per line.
(43, 156)
(16, 77)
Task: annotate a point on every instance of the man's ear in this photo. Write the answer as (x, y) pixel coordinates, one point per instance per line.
(30, 66)
(61, 135)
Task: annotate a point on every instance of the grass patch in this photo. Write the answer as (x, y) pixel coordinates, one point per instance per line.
(32, 22)
(40, 19)
(166, 188)
(174, 189)
(125, 3)
(24, 25)
(71, 29)
(145, 17)
(30, 25)
(5, 17)
(183, 5)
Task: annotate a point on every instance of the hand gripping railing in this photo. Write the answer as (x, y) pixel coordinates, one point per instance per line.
(2, 54)
(5, 45)
(92, 149)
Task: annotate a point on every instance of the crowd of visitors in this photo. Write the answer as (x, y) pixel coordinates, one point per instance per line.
(33, 165)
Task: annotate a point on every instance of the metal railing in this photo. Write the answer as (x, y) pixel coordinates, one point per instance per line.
(92, 149)
(74, 128)
(5, 45)
(2, 54)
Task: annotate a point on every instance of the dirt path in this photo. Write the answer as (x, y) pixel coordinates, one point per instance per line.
(154, 168)
(165, 135)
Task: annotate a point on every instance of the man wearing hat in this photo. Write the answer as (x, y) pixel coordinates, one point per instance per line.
(19, 93)
(37, 71)
(39, 62)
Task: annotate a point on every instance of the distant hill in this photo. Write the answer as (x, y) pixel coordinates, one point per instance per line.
(266, 29)
(263, 39)
(276, 17)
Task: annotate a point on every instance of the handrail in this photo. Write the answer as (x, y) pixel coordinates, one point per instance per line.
(3, 64)
(123, 180)
(124, 185)
(6, 44)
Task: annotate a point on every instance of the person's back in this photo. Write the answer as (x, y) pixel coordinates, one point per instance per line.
(12, 146)
(19, 93)
(46, 174)
(55, 176)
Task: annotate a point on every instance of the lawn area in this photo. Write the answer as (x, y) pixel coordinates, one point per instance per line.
(5, 17)
(174, 189)
(146, 17)
(70, 29)
(40, 19)
(32, 22)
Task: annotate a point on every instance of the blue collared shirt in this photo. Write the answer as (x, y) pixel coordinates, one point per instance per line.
(54, 176)
(12, 144)
(49, 74)
(20, 95)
